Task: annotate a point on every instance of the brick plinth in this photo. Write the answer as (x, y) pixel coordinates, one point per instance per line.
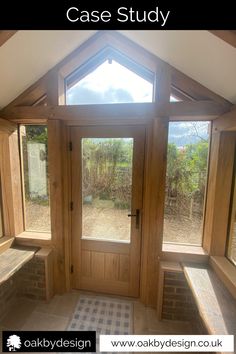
(31, 278)
(28, 282)
(178, 302)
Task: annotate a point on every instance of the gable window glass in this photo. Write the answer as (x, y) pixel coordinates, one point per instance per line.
(109, 82)
(174, 98)
(231, 248)
(34, 147)
(186, 178)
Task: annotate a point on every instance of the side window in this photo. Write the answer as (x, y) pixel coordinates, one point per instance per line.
(186, 176)
(34, 152)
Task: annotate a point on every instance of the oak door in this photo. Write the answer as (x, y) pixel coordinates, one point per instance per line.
(107, 191)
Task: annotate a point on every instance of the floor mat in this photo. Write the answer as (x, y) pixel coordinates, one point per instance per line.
(105, 315)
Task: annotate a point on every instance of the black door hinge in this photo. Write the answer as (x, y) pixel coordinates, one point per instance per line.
(70, 146)
(72, 269)
(71, 206)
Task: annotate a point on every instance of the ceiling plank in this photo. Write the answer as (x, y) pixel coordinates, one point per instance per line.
(228, 36)
(5, 35)
(189, 110)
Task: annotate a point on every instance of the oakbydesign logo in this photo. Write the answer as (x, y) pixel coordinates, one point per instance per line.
(13, 343)
(48, 341)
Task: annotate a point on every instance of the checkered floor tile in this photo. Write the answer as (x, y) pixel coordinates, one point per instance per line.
(102, 314)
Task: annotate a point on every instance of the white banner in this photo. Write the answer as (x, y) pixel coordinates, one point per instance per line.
(166, 343)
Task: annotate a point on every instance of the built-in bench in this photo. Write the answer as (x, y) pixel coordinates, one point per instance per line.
(194, 292)
(215, 304)
(14, 259)
(25, 272)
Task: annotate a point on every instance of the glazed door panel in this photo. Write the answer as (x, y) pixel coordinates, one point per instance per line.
(107, 182)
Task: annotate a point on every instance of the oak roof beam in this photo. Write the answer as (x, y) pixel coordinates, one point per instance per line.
(188, 110)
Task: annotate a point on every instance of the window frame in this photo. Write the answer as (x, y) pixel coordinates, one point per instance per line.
(108, 53)
(218, 203)
(183, 247)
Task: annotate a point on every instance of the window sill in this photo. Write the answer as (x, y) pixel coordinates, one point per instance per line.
(226, 271)
(33, 238)
(179, 253)
(174, 247)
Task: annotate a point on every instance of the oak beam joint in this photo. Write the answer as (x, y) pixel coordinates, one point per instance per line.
(225, 122)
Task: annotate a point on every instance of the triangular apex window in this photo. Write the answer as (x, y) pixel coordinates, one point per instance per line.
(109, 77)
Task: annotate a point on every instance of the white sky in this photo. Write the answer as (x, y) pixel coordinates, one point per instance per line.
(116, 76)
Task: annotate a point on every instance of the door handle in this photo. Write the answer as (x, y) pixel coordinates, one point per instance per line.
(137, 216)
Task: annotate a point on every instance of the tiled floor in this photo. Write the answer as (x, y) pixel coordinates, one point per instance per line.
(30, 315)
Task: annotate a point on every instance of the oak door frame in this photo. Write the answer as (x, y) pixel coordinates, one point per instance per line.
(155, 158)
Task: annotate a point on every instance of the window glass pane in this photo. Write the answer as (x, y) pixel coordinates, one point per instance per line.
(231, 251)
(110, 83)
(186, 177)
(106, 188)
(36, 179)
